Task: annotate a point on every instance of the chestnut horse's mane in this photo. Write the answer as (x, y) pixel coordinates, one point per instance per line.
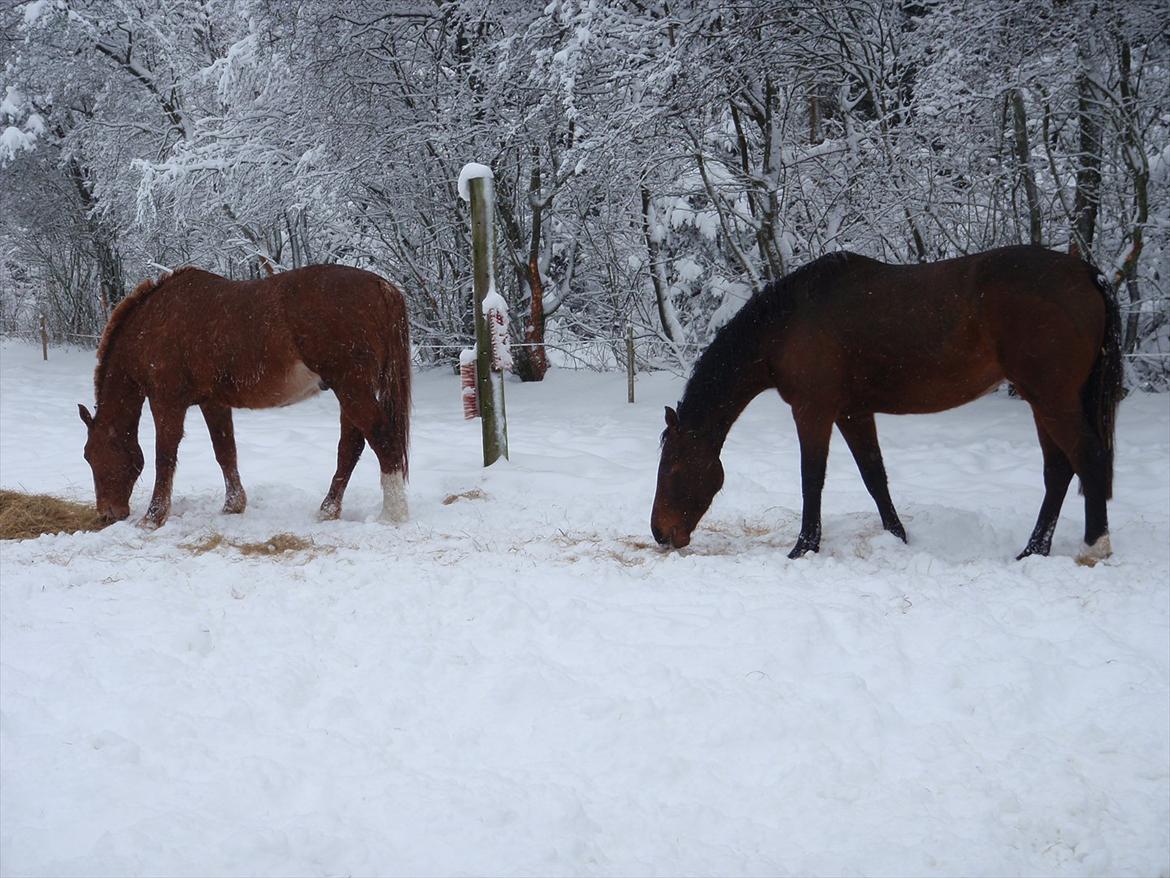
(121, 312)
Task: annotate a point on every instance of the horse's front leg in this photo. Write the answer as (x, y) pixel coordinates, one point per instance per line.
(814, 430)
(860, 434)
(168, 430)
(223, 440)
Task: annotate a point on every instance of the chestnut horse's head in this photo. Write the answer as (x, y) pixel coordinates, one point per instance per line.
(689, 477)
(116, 460)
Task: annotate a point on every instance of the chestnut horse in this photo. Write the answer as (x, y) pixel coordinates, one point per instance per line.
(847, 336)
(195, 338)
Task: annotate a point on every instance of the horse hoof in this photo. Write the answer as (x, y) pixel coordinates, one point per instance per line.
(149, 523)
(329, 512)
(899, 531)
(1030, 549)
(1099, 551)
(800, 550)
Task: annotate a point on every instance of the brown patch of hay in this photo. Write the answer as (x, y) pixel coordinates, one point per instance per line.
(277, 544)
(207, 544)
(639, 545)
(473, 494)
(25, 516)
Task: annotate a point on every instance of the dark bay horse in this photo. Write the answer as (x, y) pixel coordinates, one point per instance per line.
(847, 336)
(195, 338)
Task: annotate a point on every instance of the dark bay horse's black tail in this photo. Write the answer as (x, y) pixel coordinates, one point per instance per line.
(1106, 384)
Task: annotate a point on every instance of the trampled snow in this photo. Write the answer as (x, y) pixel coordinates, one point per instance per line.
(518, 682)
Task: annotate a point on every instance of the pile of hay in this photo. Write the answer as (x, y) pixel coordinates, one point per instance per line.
(24, 516)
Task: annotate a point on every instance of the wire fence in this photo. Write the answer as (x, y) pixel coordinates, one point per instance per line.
(594, 354)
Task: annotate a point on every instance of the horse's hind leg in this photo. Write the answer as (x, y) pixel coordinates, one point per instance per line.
(1058, 472)
(349, 449)
(223, 440)
(371, 418)
(860, 434)
(1072, 433)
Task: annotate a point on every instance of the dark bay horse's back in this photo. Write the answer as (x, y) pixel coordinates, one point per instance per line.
(905, 339)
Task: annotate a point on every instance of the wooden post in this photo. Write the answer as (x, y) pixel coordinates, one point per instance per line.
(489, 383)
(630, 362)
(44, 340)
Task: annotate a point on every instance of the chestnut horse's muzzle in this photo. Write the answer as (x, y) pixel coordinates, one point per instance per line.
(109, 515)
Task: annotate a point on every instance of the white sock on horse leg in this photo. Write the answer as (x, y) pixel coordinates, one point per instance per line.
(393, 498)
(1099, 551)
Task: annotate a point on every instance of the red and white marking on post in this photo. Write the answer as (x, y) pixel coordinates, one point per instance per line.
(495, 311)
(467, 382)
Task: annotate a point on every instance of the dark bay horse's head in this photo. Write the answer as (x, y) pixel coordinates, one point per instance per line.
(116, 460)
(689, 477)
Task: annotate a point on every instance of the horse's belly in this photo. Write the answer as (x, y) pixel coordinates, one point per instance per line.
(295, 384)
(928, 387)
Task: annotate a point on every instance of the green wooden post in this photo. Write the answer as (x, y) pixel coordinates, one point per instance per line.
(489, 383)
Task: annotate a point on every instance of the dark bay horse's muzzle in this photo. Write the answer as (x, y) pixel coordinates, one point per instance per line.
(674, 538)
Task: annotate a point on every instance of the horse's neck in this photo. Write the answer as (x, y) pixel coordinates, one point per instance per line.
(727, 392)
(120, 397)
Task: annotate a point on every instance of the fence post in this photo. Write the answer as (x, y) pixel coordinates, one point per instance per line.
(476, 181)
(630, 361)
(44, 340)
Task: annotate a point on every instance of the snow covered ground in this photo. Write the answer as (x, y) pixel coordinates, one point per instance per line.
(517, 682)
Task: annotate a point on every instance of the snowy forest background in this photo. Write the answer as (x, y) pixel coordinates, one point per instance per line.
(656, 162)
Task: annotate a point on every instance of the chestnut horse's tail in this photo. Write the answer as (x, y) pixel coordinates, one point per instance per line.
(1106, 384)
(394, 382)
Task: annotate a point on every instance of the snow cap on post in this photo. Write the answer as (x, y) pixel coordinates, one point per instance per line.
(470, 170)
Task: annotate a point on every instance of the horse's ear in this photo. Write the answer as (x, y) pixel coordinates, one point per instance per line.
(671, 418)
(86, 417)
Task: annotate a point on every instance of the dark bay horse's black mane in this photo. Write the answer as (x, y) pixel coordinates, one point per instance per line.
(738, 340)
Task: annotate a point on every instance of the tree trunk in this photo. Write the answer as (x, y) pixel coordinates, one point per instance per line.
(1139, 169)
(658, 275)
(531, 363)
(111, 279)
(1088, 194)
(1024, 162)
